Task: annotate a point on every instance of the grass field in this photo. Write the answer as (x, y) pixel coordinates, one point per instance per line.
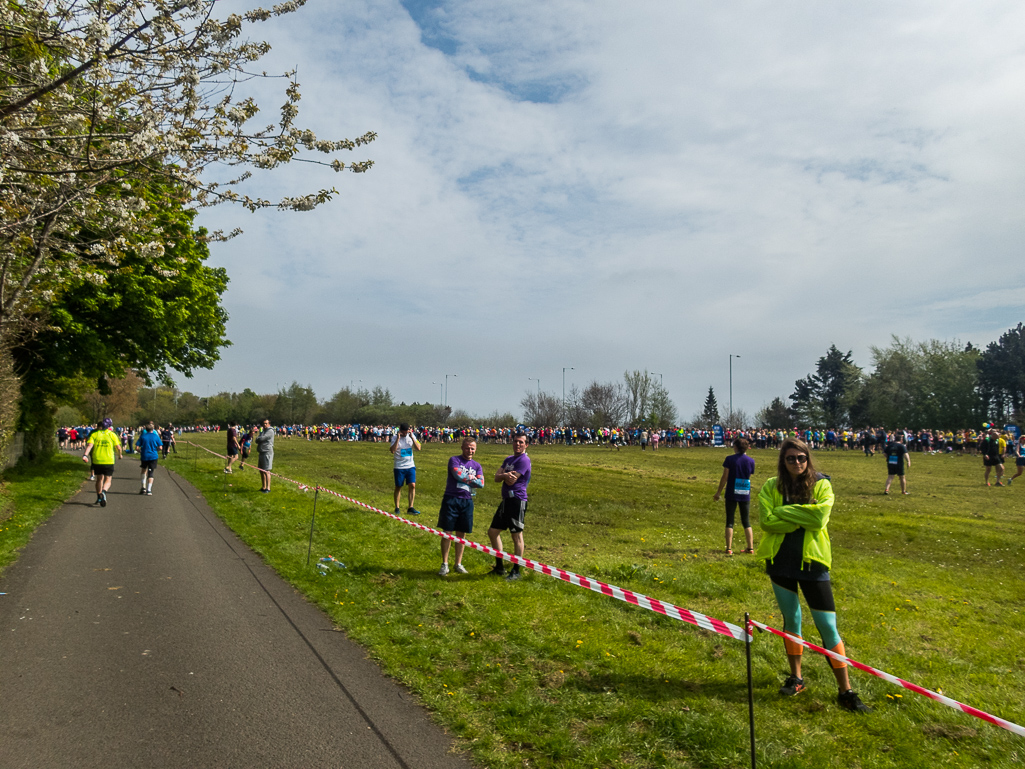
(543, 674)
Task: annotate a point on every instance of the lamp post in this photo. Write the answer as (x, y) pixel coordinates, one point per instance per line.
(731, 383)
(446, 386)
(564, 369)
(538, 380)
(440, 397)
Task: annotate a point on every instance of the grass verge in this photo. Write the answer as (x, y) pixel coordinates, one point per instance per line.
(29, 494)
(543, 674)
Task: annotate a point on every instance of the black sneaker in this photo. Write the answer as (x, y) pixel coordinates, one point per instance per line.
(792, 686)
(513, 575)
(849, 700)
(142, 490)
(497, 571)
(103, 500)
(412, 511)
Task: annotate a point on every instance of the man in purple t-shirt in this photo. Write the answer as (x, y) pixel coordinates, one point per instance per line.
(736, 479)
(464, 475)
(514, 475)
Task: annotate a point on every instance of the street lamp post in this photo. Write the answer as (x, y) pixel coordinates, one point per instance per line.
(538, 380)
(731, 383)
(446, 386)
(439, 389)
(564, 369)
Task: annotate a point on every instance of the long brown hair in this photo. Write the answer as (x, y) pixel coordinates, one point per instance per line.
(796, 489)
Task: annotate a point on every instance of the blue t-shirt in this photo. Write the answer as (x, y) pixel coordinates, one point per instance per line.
(149, 445)
(738, 482)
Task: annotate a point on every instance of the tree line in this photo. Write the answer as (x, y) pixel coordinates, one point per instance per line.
(917, 385)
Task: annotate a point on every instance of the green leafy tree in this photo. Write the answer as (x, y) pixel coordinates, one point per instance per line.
(1002, 375)
(776, 415)
(153, 314)
(824, 398)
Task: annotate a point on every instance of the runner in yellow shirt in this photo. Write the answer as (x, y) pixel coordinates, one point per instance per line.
(102, 444)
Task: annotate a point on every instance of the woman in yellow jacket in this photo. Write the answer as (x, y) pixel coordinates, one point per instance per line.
(794, 511)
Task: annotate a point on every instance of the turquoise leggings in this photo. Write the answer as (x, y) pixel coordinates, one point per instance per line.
(819, 595)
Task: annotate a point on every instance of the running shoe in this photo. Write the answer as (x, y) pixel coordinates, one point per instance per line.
(412, 511)
(999, 483)
(460, 569)
(443, 571)
(513, 575)
(103, 500)
(149, 492)
(497, 571)
(142, 490)
(793, 685)
(849, 700)
(398, 511)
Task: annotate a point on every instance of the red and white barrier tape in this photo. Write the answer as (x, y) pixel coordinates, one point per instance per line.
(670, 610)
(637, 599)
(996, 721)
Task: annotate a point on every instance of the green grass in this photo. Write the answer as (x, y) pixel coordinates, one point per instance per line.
(544, 674)
(28, 496)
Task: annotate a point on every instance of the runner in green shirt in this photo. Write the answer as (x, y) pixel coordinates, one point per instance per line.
(102, 444)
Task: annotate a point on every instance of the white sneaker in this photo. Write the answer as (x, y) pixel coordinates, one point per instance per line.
(460, 569)
(443, 571)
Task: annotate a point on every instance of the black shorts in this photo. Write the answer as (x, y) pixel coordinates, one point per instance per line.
(896, 469)
(103, 470)
(510, 515)
(149, 465)
(233, 452)
(456, 514)
(992, 461)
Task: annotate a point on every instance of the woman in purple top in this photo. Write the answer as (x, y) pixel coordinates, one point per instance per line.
(736, 479)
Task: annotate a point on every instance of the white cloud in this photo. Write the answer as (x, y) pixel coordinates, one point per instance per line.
(642, 185)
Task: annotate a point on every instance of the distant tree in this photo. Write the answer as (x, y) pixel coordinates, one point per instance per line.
(1002, 374)
(605, 404)
(638, 386)
(710, 413)
(541, 409)
(661, 411)
(117, 399)
(576, 414)
(824, 398)
(736, 420)
(919, 385)
(295, 405)
(775, 416)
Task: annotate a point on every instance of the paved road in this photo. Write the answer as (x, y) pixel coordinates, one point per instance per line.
(145, 634)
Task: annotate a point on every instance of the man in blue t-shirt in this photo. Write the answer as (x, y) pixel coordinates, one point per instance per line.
(150, 445)
(465, 476)
(514, 475)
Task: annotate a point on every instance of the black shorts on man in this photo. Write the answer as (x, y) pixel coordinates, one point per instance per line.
(103, 470)
(510, 515)
(149, 465)
(456, 514)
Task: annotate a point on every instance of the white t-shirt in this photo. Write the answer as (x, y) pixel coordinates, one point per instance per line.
(403, 451)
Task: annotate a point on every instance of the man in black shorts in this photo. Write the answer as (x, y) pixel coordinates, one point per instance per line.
(465, 476)
(992, 456)
(896, 457)
(514, 475)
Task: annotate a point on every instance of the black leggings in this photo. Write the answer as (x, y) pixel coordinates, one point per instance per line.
(745, 513)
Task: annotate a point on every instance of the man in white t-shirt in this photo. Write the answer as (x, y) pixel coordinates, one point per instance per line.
(405, 469)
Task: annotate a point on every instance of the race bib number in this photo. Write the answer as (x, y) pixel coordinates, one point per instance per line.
(742, 487)
(406, 452)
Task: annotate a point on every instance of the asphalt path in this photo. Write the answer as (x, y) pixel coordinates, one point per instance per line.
(146, 634)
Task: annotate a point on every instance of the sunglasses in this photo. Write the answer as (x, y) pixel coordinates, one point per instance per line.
(796, 459)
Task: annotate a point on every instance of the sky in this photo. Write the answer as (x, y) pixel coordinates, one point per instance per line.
(579, 189)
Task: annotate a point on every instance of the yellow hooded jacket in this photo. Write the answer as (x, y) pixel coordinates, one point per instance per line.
(778, 519)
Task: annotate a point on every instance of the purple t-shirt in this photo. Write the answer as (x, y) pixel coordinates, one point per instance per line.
(463, 476)
(738, 482)
(521, 464)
